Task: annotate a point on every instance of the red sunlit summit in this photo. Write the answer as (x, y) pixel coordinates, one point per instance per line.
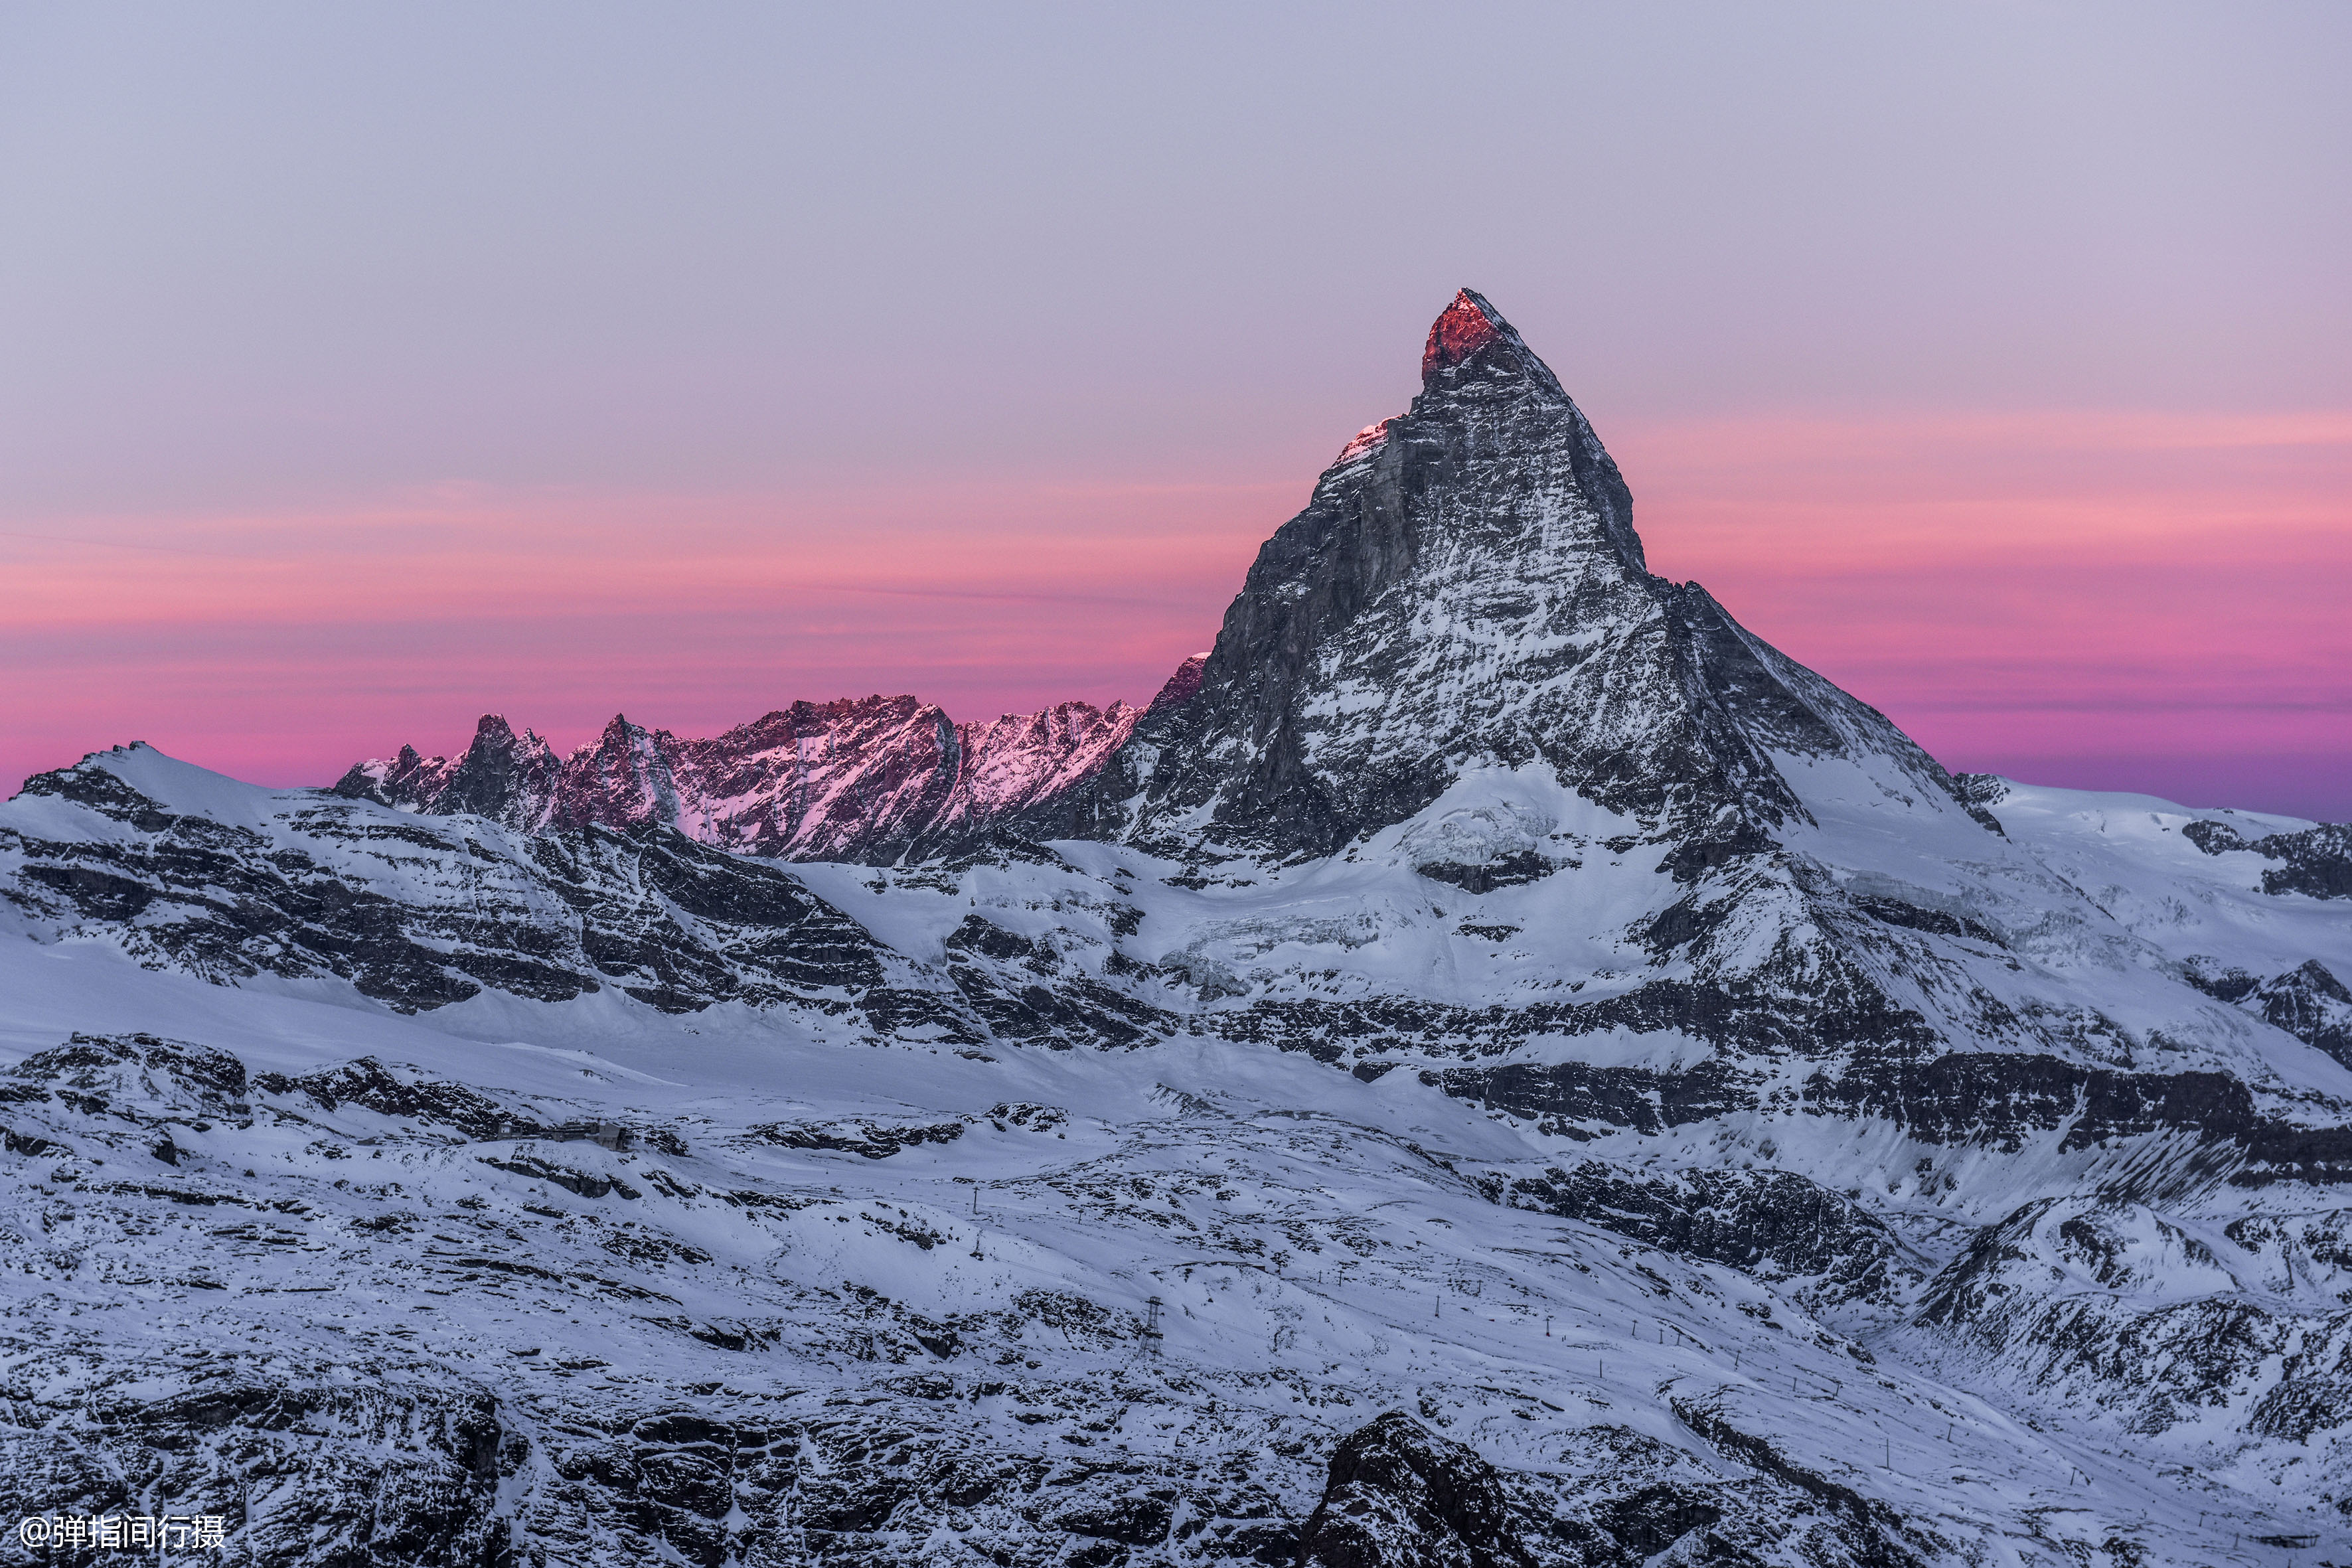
(1465, 327)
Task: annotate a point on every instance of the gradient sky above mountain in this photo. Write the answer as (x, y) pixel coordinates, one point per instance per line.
(367, 368)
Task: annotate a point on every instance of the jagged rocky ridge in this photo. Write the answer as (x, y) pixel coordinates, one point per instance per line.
(881, 779)
(1888, 1144)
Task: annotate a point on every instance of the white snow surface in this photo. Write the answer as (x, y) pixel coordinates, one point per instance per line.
(1319, 1249)
(1323, 1248)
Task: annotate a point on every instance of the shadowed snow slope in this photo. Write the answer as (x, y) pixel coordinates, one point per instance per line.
(1496, 1065)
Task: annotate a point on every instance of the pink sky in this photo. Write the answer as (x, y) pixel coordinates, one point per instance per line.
(2151, 602)
(2117, 601)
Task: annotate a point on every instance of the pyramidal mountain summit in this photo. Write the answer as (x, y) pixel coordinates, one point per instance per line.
(1465, 582)
(1495, 1064)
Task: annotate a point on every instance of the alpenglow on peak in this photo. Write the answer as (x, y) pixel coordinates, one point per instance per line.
(1471, 337)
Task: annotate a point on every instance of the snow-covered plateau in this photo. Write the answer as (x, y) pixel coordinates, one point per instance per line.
(1496, 1065)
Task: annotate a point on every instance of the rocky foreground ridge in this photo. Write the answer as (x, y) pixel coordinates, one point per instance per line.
(1495, 1064)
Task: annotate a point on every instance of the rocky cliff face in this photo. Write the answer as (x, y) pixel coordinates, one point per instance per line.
(1496, 1065)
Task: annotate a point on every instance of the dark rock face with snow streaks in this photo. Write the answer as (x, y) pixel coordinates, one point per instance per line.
(1494, 1066)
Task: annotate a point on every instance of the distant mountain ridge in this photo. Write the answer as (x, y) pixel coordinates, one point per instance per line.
(876, 779)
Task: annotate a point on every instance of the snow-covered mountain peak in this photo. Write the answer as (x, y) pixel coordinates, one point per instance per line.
(1465, 589)
(134, 779)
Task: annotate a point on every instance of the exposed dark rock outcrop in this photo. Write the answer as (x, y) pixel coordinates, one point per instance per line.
(1400, 1496)
(2317, 861)
(410, 1097)
(426, 911)
(404, 1470)
(874, 1140)
(2006, 1100)
(1773, 1224)
(2311, 1004)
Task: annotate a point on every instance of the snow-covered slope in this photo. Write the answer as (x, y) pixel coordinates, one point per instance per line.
(1580, 1088)
(341, 1278)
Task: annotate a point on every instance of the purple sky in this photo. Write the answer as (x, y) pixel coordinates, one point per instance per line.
(362, 368)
